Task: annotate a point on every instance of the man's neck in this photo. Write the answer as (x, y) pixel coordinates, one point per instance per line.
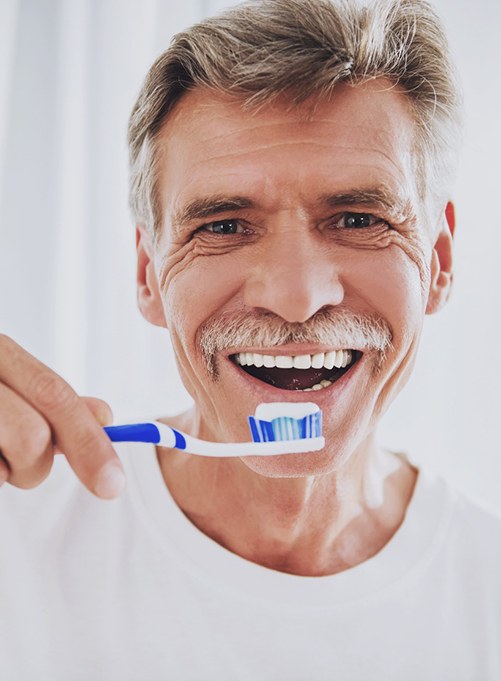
(317, 525)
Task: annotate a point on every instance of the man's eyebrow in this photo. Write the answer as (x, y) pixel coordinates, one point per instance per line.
(206, 207)
(373, 197)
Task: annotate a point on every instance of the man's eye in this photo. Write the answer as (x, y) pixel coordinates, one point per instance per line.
(223, 227)
(356, 220)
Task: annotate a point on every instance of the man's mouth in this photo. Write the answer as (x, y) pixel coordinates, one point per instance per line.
(298, 372)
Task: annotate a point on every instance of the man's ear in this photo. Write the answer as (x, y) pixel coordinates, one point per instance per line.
(442, 262)
(148, 293)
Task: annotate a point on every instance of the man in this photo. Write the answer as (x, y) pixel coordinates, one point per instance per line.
(290, 178)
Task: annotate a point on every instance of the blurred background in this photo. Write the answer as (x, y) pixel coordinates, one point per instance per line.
(69, 74)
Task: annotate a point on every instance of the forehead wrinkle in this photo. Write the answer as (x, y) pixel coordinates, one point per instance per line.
(295, 142)
(267, 146)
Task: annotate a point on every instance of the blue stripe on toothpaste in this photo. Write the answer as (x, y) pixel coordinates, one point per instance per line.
(254, 429)
(286, 428)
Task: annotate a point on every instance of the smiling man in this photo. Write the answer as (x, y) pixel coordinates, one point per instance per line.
(276, 228)
(291, 166)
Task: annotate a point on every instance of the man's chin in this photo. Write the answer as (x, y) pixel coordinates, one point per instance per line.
(294, 465)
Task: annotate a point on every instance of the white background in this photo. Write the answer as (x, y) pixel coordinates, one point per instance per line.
(69, 74)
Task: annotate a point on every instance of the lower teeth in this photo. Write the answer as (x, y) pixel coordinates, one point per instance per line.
(318, 386)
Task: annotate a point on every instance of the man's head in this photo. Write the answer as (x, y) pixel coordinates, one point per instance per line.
(304, 49)
(294, 218)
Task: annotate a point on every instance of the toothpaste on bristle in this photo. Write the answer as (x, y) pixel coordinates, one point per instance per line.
(281, 421)
(267, 411)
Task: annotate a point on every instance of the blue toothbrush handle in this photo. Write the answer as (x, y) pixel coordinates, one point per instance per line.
(136, 432)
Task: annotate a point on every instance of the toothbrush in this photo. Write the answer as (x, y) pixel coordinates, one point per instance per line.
(277, 428)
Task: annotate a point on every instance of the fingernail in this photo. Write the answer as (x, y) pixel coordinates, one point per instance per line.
(110, 481)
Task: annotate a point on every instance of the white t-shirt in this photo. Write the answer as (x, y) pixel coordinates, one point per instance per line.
(130, 590)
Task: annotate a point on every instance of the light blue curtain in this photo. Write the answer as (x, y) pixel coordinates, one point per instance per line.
(70, 74)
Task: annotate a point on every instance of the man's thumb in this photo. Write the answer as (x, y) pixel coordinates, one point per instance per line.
(100, 409)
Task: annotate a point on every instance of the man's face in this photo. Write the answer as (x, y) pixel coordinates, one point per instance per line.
(309, 217)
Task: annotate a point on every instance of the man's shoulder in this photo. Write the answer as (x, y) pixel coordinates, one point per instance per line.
(435, 490)
(474, 513)
(474, 528)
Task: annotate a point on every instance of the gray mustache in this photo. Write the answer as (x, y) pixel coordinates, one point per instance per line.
(330, 327)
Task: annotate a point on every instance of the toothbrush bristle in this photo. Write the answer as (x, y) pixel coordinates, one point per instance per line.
(286, 428)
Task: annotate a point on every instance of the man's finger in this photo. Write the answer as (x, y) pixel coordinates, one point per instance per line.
(100, 409)
(74, 428)
(25, 441)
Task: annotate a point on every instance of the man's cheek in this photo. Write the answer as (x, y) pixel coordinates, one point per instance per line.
(174, 261)
(398, 374)
(417, 251)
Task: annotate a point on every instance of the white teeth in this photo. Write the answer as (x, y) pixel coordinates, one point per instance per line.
(318, 386)
(258, 360)
(342, 359)
(302, 362)
(327, 360)
(317, 361)
(284, 362)
(330, 358)
(347, 358)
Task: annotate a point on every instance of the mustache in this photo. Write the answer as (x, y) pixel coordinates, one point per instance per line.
(338, 327)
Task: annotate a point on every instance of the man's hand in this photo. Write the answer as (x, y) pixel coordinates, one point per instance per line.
(40, 414)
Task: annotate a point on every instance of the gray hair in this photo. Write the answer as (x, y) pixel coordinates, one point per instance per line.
(303, 49)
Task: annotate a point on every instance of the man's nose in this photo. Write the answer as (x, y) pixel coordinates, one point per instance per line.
(294, 277)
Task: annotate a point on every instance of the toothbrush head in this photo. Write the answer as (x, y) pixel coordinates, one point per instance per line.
(282, 421)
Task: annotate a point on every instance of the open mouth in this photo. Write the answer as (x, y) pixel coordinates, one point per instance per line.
(298, 372)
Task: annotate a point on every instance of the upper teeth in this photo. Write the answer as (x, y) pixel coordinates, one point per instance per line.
(327, 360)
